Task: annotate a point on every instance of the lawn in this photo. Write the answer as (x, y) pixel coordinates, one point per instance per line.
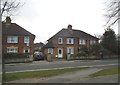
(38, 74)
(107, 71)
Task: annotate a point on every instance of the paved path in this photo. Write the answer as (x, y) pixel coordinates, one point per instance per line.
(72, 77)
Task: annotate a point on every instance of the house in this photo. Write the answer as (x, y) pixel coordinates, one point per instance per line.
(68, 41)
(16, 39)
(38, 46)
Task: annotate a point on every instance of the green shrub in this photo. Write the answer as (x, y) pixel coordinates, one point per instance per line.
(81, 53)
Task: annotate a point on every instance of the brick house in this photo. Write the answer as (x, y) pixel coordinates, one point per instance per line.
(16, 39)
(38, 46)
(68, 41)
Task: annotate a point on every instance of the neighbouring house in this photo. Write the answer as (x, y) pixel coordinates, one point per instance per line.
(68, 41)
(38, 46)
(16, 39)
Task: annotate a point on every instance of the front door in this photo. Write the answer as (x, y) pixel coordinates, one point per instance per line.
(60, 53)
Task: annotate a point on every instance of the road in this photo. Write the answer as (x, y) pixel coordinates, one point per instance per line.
(39, 65)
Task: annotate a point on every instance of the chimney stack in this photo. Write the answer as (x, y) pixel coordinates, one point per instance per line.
(69, 27)
(8, 20)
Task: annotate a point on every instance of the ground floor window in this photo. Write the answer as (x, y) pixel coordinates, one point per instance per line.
(70, 50)
(12, 49)
(50, 50)
(26, 50)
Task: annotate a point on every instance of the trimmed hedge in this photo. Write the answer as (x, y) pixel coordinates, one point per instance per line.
(15, 55)
(17, 58)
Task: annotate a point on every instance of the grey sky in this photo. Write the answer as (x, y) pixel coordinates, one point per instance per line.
(44, 18)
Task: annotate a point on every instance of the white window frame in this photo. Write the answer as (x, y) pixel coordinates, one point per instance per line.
(26, 39)
(12, 39)
(92, 42)
(24, 51)
(82, 41)
(70, 40)
(50, 50)
(70, 50)
(12, 49)
(60, 41)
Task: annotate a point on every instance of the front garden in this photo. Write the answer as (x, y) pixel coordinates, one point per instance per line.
(93, 53)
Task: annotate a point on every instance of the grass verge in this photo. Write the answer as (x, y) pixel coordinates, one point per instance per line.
(38, 74)
(107, 71)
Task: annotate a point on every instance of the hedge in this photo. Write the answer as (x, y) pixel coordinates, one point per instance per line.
(15, 55)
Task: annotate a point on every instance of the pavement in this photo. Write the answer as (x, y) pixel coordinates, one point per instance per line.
(72, 77)
(42, 62)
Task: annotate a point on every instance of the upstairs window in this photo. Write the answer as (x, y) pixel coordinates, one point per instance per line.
(82, 42)
(60, 41)
(26, 39)
(92, 42)
(12, 39)
(70, 40)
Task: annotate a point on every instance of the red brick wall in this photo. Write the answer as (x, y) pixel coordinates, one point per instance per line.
(65, 45)
(21, 45)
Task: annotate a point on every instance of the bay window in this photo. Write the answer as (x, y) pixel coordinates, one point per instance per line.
(12, 49)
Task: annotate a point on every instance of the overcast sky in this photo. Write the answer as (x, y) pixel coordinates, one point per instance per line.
(44, 18)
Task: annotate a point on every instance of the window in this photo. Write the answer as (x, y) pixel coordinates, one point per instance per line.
(92, 41)
(50, 50)
(82, 41)
(60, 40)
(26, 50)
(26, 39)
(12, 39)
(79, 49)
(70, 50)
(12, 49)
(70, 41)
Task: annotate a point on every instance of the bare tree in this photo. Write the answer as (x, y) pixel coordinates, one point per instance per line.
(113, 12)
(8, 7)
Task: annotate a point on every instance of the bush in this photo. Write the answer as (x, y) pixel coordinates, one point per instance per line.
(82, 53)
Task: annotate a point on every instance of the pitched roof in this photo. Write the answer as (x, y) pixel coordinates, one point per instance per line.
(39, 44)
(73, 33)
(49, 45)
(69, 33)
(14, 29)
(84, 35)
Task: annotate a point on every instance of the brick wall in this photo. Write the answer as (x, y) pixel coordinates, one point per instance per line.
(65, 45)
(21, 45)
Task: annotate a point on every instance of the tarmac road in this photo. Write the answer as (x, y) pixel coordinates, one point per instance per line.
(40, 65)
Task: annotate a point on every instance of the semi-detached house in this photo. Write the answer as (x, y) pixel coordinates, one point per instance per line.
(16, 39)
(68, 41)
